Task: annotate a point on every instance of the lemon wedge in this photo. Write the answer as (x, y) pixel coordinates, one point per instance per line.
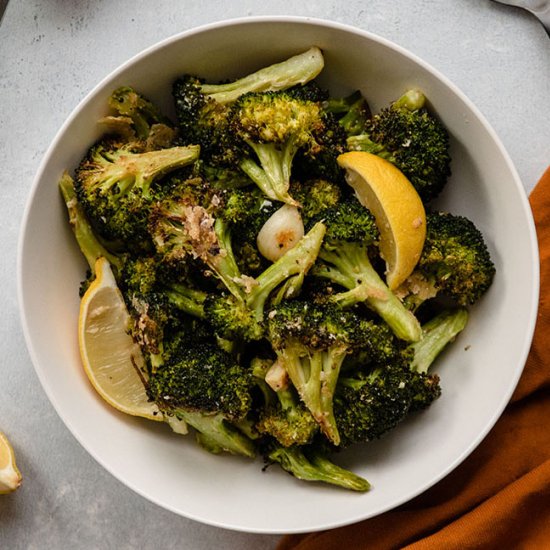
(396, 207)
(111, 359)
(10, 477)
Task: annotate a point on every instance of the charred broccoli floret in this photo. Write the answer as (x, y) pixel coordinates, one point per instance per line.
(369, 403)
(275, 126)
(114, 185)
(345, 261)
(409, 136)
(455, 262)
(281, 415)
(243, 316)
(207, 388)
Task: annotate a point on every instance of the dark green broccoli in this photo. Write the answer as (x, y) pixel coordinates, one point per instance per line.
(114, 185)
(243, 317)
(315, 196)
(282, 415)
(311, 464)
(345, 261)
(455, 262)
(352, 112)
(410, 137)
(369, 403)
(137, 118)
(204, 386)
(311, 342)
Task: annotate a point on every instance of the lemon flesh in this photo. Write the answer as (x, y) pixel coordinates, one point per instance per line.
(112, 360)
(396, 207)
(10, 476)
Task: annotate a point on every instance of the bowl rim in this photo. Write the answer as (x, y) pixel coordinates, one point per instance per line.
(285, 19)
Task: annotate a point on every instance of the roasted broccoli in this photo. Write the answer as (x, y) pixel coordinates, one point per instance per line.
(243, 317)
(281, 415)
(206, 387)
(311, 464)
(275, 126)
(311, 343)
(455, 262)
(345, 261)
(352, 112)
(368, 403)
(114, 185)
(138, 119)
(409, 136)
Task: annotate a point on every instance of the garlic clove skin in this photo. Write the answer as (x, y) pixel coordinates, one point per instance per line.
(280, 233)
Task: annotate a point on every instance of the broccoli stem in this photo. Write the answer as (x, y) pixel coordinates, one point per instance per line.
(297, 261)
(224, 263)
(315, 376)
(412, 100)
(143, 168)
(296, 70)
(351, 268)
(436, 334)
(316, 467)
(216, 434)
(90, 246)
(186, 299)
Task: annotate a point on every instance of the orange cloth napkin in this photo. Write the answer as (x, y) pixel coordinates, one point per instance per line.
(499, 497)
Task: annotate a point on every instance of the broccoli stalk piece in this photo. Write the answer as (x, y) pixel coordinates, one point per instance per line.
(345, 261)
(275, 126)
(282, 416)
(455, 262)
(437, 333)
(113, 184)
(216, 434)
(352, 112)
(87, 240)
(243, 316)
(204, 386)
(294, 71)
(368, 404)
(407, 135)
(310, 464)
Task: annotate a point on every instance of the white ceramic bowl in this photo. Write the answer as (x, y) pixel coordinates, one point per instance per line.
(478, 374)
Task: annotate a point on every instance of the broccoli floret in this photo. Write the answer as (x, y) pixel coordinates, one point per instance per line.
(352, 112)
(114, 186)
(143, 119)
(90, 245)
(282, 415)
(183, 229)
(275, 125)
(410, 137)
(345, 261)
(202, 108)
(311, 464)
(455, 262)
(243, 316)
(367, 404)
(311, 342)
(315, 196)
(206, 387)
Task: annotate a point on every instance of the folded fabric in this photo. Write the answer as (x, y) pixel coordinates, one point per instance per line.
(499, 497)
